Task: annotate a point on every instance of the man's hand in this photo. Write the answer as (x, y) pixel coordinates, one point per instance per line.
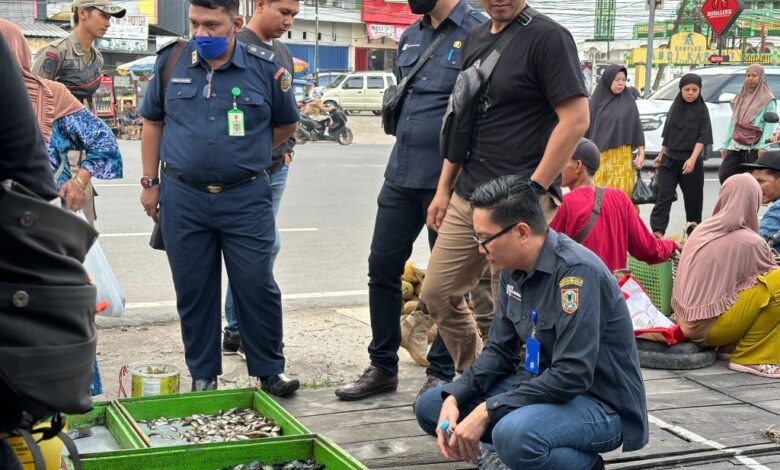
(150, 199)
(639, 161)
(437, 210)
(469, 431)
(688, 166)
(288, 159)
(450, 412)
(657, 161)
(73, 195)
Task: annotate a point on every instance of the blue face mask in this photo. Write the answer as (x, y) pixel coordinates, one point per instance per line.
(209, 47)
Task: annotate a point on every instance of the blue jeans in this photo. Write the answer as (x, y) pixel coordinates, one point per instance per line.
(541, 436)
(278, 183)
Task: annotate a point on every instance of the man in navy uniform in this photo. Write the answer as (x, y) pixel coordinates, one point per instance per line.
(225, 106)
(578, 390)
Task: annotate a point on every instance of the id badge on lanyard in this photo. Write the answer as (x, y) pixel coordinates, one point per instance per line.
(235, 117)
(532, 348)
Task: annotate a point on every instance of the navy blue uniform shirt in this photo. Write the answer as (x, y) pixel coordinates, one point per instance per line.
(415, 161)
(195, 141)
(586, 337)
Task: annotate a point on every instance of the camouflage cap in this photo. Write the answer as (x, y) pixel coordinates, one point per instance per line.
(103, 5)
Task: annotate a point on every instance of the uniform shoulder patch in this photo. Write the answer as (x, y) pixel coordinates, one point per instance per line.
(261, 53)
(284, 78)
(570, 281)
(570, 300)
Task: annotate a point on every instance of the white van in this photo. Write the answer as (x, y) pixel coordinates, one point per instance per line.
(358, 91)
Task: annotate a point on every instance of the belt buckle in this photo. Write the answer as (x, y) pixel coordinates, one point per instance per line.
(214, 189)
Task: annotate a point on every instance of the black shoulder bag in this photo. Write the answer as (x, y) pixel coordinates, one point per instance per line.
(458, 123)
(156, 240)
(393, 99)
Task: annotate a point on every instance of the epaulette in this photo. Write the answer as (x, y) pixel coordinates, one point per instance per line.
(263, 53)
(172, 43)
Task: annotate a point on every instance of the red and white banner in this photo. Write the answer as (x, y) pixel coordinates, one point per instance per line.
(378, 31)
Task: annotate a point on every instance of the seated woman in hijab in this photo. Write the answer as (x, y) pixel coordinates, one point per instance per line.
(727, 289)
(66, 125)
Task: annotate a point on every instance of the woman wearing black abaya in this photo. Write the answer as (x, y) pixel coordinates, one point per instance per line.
(686, 131)
(616, 130)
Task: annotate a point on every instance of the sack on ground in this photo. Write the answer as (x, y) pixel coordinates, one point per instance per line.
(644, 315)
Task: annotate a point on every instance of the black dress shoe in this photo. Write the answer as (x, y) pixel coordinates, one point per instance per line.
(370, 383)
(230, 344)
(279, 385)
(202, 385)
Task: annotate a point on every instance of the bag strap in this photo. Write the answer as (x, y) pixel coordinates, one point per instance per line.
(523, 20)
(437, 41)
(594, 214)
(73, 452)
(170, 64)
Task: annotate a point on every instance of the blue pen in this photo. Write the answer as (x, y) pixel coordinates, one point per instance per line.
(445, 426)
(452, 52)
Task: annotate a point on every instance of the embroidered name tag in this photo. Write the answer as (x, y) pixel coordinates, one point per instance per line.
(181, 80)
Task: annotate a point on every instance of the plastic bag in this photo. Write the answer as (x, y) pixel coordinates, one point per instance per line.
(644, 315)
(643, 193)
(110, 299)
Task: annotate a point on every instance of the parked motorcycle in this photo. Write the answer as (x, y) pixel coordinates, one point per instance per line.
(310, 130)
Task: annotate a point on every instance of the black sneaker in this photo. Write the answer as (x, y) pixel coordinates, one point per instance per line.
(230, 345)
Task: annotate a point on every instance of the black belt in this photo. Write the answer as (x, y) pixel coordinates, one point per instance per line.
(211, 188)
(276, 166)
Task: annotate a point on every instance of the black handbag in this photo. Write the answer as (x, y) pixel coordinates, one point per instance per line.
(458, 123)
(644, 193)
(393, 99)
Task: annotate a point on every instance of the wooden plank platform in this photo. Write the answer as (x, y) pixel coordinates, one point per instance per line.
(700, 419)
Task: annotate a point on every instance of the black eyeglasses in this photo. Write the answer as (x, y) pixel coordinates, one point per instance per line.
(483, 243)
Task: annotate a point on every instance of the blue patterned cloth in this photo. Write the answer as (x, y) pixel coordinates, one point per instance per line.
(83, 130)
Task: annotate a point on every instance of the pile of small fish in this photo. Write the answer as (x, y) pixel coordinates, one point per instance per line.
(294, 465)
(232, 425)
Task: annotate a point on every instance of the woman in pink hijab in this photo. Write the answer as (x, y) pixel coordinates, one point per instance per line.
(727, 289)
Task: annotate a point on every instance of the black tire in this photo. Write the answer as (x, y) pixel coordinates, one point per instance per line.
(682, 356)
(377, 113)
(345, 138)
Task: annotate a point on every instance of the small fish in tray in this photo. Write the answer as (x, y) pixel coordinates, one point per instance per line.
(232, 425)
(294, 465)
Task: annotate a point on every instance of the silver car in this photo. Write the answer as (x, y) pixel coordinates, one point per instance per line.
(719, 86)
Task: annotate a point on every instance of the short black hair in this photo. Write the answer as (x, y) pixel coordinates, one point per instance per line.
(591, 172)
(230, 6)
(511, 199)
(76, 14)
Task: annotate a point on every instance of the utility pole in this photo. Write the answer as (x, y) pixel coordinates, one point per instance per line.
(650, 38)
(317, 41)
(675, 30)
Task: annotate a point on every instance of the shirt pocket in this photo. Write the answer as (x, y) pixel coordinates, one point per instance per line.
(180, 103)
(407, 59)
(256, 109)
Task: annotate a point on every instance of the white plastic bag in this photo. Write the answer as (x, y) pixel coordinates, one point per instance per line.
(110, 299)
(643, 312)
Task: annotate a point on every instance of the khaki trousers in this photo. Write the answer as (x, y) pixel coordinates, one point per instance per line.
(455, 268)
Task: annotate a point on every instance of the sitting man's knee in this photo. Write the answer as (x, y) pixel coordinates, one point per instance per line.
(519, 446)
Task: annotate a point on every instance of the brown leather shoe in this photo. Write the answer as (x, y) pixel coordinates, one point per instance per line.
(431, 382)
(370, 383)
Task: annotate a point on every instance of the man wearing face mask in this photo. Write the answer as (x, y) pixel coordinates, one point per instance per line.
(212, 124)
(410, 184)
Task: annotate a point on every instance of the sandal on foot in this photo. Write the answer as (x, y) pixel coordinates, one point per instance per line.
(771, 371)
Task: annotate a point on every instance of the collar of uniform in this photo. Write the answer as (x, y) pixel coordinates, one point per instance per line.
(546, 260)
(238, 58)
(457, 14)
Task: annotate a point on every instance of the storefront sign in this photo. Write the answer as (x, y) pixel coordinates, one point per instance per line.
(687, 49)
(129, 27)
(392, 31)
(721, 14)
(122, 45)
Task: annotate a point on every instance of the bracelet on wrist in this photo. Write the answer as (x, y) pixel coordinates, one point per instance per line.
(80, 184)
(538, 188)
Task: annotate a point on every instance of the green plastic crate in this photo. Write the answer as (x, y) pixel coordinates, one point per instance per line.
(657, 280)
(204, 403)
(104, 414)
(211, 457)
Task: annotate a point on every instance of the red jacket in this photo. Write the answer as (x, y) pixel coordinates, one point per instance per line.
(618, 229)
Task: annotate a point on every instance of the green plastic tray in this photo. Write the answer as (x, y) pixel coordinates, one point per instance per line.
(104, 414)
(657, 281)
(211, 457)
(186, 404)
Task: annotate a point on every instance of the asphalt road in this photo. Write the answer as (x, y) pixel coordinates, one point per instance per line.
(326, 218)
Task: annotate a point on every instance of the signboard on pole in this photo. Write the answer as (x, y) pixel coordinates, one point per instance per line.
(605, 20)
(721, 14)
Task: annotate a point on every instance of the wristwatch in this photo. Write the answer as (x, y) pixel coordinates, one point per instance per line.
(147, 181)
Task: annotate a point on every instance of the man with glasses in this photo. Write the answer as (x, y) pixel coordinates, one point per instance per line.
(544, 392)
(222, 110)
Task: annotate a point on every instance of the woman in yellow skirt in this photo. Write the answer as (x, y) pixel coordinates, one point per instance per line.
(616, 130)
(727, 289)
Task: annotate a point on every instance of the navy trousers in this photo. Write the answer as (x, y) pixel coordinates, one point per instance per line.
(199, 230)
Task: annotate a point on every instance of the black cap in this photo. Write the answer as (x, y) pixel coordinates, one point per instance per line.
(768, 161)
(588, 153)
